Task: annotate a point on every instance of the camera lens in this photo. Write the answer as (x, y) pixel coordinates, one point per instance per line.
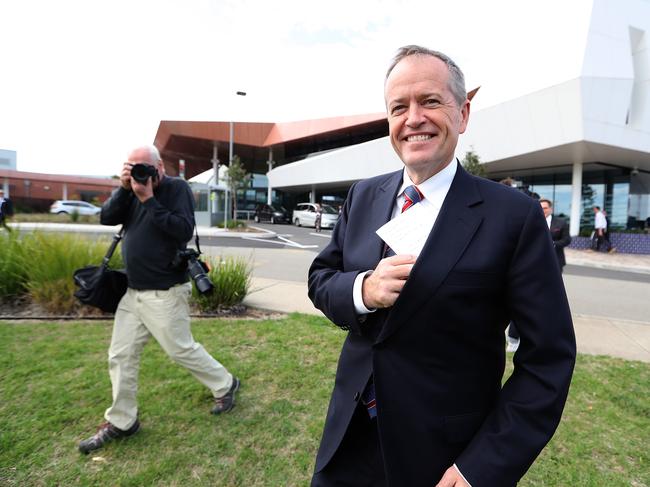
(201, 280)
(142, 172)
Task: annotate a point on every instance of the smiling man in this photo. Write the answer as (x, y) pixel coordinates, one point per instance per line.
(418, 399)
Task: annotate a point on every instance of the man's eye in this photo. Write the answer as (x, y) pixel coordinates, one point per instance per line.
(430, 102)
(397, 109)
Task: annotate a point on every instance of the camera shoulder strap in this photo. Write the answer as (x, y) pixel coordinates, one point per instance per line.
(196, 239)
(111, 249)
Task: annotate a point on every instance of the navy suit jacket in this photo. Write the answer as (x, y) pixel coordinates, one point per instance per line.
(561, 238)
(438, 354)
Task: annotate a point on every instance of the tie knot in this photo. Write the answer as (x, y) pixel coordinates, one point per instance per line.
(412, 196)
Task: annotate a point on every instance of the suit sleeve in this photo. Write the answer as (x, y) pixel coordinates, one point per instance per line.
(565, 237)
(530, 405)
(330, 285)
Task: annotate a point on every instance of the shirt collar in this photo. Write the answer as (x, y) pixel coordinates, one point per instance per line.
(435, 188)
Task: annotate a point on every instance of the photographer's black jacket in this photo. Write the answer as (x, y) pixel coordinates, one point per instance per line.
(154, 231)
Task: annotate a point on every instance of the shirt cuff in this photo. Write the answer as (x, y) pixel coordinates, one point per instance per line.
(357, 295)
(461, 474)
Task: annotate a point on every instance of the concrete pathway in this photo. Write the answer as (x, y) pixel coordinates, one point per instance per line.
(595, 335)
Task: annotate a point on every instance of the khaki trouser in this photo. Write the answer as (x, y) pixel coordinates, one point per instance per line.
(165, 315)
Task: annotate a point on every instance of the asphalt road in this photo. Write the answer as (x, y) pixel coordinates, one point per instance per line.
(591, 291)
(288, 236)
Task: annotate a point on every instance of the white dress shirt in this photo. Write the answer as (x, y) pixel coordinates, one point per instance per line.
(601, 221)
(435, 190)
(548, 221)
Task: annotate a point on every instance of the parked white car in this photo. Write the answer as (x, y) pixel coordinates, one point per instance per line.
(305, 215)
(71, 206)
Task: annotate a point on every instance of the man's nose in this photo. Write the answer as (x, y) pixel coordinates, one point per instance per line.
(415, 115)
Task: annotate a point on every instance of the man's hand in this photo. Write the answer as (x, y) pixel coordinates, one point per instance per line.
(125, 176)
(382, 287)
(452, 478)
(142, 191)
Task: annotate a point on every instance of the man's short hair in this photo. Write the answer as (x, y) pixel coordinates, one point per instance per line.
(154, 153)
(456, 77)
(597, 207)
(546, 200)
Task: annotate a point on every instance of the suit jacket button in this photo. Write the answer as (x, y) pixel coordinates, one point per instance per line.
(362, 319)
(356, 396)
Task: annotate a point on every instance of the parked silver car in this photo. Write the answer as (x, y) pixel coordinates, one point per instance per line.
(72, 206)
(305, 215)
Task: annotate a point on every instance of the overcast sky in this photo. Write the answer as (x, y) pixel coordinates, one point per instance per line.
(84, 81)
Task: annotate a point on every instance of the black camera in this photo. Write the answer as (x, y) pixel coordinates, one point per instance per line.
(142, 172)
(197, 268)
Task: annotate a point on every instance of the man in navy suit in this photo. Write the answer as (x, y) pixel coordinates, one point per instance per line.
(559, 229)
(418, 399)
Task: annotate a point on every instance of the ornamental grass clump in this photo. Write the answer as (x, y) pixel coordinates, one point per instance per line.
(49, 261)
(231, 279)
(13, 274)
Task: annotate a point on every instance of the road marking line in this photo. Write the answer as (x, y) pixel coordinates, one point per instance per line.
(321, 235)
(285, 242)
(296, 244)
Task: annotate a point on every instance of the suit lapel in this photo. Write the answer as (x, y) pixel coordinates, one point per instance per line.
(453, 231)
(380, 210)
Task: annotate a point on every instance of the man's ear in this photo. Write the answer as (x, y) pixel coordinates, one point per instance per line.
(464, 112)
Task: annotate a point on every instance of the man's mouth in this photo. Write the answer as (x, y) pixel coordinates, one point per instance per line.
(419, 138)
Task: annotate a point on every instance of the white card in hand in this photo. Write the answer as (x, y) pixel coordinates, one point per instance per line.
(405, 233)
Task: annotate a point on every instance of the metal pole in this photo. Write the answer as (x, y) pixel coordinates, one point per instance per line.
(230, 155)
(232, 125)
(269, 190)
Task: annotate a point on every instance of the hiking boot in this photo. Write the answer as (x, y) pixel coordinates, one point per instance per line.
(106, 433)
(227, 402)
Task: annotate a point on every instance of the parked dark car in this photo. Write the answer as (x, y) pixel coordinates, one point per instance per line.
(271, 213)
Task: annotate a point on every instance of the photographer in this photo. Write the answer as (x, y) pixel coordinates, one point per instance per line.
(157, 212)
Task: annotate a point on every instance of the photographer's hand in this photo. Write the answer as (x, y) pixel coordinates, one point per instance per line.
(125, 176)
(142, 191)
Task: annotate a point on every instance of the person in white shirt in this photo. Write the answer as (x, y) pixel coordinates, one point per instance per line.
(600, 230)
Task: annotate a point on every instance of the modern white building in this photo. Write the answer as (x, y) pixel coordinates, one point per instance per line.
(582, 142)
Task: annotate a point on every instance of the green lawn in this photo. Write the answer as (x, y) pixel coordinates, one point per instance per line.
(54, 388)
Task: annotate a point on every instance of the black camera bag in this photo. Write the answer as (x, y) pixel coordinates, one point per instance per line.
(101, 286)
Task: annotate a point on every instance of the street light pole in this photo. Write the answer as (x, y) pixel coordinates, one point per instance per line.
(230, 156)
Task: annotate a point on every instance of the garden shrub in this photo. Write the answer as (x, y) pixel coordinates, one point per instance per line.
(231, 279)
(51, 259)
(233, 224)
(13, 274)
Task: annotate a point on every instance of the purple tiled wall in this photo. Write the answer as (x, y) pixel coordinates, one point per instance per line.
(626, 243)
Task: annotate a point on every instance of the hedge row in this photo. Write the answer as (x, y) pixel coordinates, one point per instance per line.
(39, 267)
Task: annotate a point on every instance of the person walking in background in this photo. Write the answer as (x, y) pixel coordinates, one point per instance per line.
(418, 399)
(319, 217)
(600, 230)
(157, 212)
(6, 210)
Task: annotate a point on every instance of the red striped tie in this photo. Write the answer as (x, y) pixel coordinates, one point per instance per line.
(412, 196)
